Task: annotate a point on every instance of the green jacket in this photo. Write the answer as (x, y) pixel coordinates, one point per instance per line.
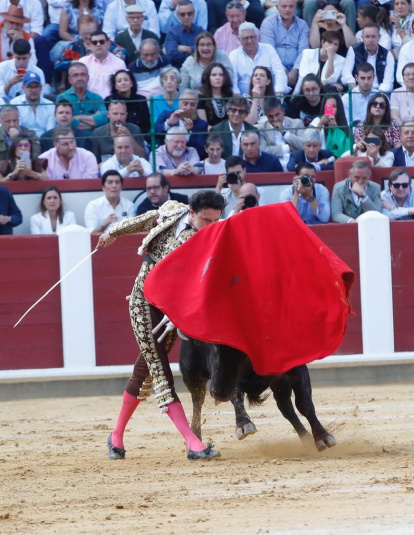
(29, 134)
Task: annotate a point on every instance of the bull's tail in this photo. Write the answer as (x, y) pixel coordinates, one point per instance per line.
(256, 399)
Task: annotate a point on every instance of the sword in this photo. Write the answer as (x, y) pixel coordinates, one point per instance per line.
(54, 286)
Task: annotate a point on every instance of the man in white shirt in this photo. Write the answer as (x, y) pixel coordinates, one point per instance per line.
(13, 70)
(361, 94)
(103, 212)
(125, 161)
(252, 54)
(115, 17)
(35, 112)
(372, 52)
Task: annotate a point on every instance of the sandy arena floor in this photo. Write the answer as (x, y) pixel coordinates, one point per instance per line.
(55, 476)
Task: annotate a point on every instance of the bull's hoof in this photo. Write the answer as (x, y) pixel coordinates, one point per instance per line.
(245, 431)
(327, 442)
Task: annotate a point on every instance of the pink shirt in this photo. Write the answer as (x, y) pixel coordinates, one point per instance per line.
(100, 72)
(226, 39)
(82, 165)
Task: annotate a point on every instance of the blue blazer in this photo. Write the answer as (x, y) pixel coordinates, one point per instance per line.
(399, 157)
(298, 156)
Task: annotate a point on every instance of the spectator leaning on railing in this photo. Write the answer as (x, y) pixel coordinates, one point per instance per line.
(355, 195)
(398, 201)
(65, 160)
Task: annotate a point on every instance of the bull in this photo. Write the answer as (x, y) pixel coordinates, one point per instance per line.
(231, 377)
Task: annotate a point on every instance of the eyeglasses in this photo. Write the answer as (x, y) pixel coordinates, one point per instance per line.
(380, 105)
(149, 188)
(99, 42)
(236, 110)
(401, 185)
(186, 14)
(232, 5)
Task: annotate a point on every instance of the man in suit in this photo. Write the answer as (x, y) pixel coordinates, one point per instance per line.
(158, 192)
(321, 159)
(232, 128)
(186, 116)
(404, 155)
(131, 38)
(355, 195)
(279, 135)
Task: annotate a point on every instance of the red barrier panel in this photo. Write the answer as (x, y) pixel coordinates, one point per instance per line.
(29, 265)
(402, 255)
(343, 240)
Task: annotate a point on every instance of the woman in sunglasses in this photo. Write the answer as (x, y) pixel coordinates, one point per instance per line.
(21, 165)
(379, 114)
(398, 201)
(375, 147)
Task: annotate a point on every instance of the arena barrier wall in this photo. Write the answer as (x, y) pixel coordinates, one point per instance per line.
(82, 328)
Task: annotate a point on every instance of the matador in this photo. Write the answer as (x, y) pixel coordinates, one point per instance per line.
(168, 228)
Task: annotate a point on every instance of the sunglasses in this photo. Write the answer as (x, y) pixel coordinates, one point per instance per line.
(232, 5)
(186, 14)
(99, 42)
(380, 105)
(236, 110)
(403, 185)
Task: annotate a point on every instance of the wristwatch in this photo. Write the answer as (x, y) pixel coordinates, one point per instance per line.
(311, 198)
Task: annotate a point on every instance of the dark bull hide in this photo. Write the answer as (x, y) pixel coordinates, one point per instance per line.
(232, 376)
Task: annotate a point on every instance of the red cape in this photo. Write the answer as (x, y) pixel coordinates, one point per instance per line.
(260, 281)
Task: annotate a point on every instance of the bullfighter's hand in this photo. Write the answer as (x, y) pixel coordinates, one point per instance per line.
(105, 240)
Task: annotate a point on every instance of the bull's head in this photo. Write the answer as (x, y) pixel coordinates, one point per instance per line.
(227, 366)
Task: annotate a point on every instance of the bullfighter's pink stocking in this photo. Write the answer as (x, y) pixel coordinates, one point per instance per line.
(129, 404)
(177, 415)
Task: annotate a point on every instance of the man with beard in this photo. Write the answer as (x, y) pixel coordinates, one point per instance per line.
(175, 158)
(147, 68)
(158, 192)
(65, 160)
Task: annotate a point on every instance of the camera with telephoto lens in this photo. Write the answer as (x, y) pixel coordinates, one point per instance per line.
(306, 181)
(231, 178)
(250, 201)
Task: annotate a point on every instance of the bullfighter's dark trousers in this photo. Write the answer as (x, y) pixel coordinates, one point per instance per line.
(152, 365)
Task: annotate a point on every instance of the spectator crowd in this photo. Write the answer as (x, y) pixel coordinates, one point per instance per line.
(155, 88)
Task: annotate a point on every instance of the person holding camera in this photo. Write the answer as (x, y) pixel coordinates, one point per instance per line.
(231, 182)
(249, 197)
(309, 198)
(331, 18)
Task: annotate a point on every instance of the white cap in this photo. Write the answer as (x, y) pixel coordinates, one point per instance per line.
(134, 9)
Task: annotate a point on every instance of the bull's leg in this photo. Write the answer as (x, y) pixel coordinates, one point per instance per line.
(198, 395)
(300, 381)
(282, 393)
(244, 426)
